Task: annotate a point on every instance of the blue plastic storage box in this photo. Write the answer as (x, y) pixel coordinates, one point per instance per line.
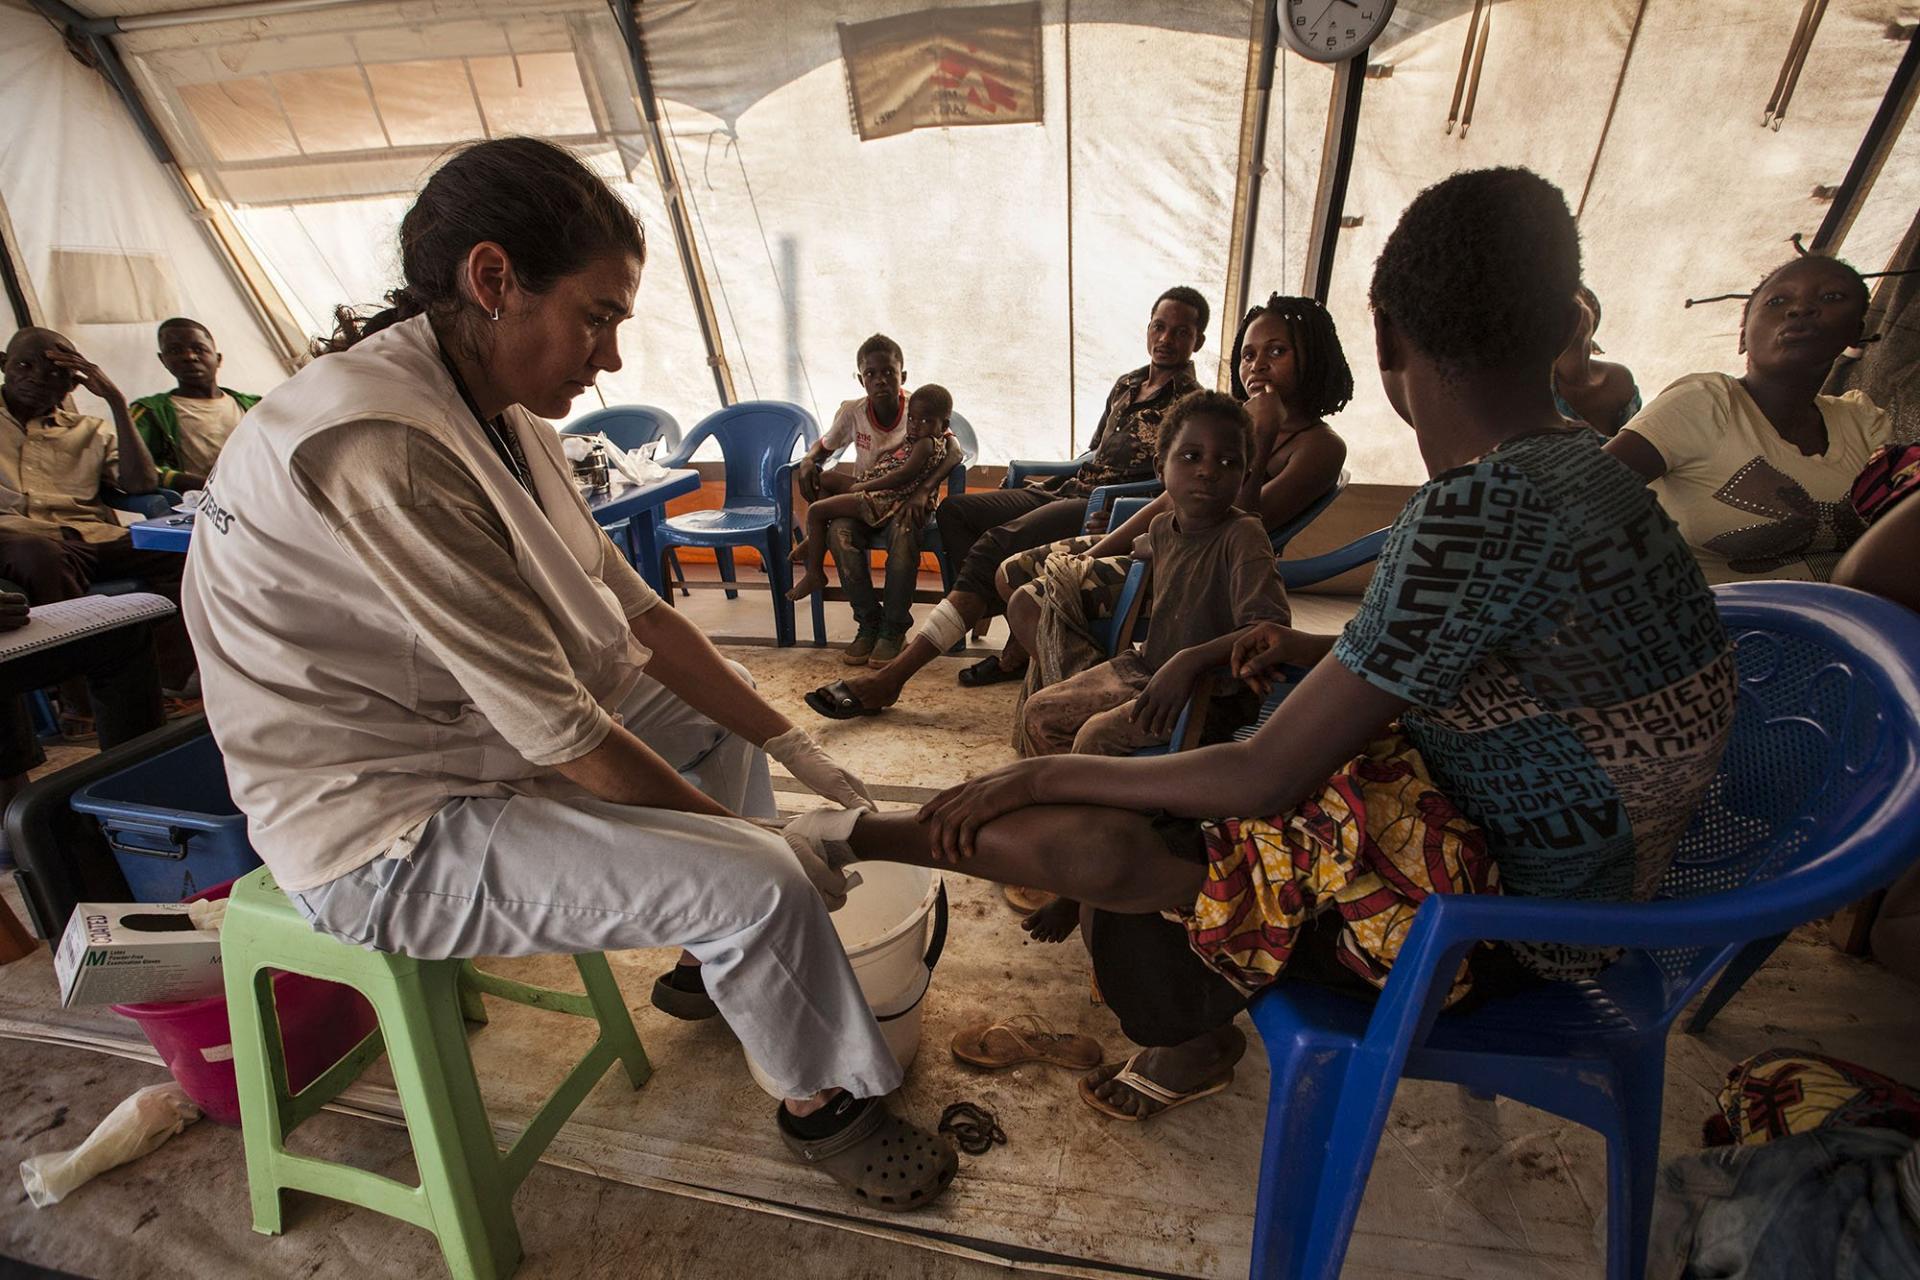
(171, 822)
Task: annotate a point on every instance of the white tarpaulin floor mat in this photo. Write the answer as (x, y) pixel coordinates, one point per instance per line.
(1460, 1188)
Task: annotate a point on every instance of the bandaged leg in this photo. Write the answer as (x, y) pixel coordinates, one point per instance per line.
(827, 833)
(943, 628)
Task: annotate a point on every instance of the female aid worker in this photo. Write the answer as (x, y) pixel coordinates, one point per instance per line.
(458, 722)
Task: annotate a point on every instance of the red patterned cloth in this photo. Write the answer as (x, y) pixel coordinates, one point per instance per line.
(1783, 1092)
(1371, 845)
(1891, 474)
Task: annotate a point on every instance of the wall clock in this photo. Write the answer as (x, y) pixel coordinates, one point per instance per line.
(1333, 30)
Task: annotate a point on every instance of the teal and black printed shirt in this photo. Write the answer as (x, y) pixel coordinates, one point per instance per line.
(1572, 686)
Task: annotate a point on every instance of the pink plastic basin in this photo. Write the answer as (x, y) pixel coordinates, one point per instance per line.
(319, 1023)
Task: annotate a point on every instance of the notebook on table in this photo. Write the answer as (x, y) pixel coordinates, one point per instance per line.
(51, 625)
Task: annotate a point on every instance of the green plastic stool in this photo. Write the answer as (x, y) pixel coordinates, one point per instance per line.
(465, 1196)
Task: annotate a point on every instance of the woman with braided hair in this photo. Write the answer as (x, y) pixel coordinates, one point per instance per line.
(1756, 468)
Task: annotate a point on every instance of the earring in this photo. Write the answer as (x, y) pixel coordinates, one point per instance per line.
(496, 313)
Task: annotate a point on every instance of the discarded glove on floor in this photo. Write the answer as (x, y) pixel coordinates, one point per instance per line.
(973, 1127)
(132, 1129)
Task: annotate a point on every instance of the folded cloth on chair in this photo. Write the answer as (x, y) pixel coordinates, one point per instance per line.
(1781, 1092)
(1890, 475)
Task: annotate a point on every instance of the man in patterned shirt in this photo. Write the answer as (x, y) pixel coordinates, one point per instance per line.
(979, 530)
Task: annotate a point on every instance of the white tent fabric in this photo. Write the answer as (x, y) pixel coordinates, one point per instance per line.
(1016, 263)
(103, 233)
(956, 242)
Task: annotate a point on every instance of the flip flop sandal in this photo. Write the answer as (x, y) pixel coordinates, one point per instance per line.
(1147, 1089)
(836, 702)
(688, 1006)
(989, 671)
(885, 1161)
(1025, 1037)
(1024, 900)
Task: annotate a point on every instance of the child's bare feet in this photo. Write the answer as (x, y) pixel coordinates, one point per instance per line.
(799, 553)
(809, 583)
(1054, 922)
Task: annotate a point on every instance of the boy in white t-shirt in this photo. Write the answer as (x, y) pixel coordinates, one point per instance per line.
(873, 424)
(185, 428)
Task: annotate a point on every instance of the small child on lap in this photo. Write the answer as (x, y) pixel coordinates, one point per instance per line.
(875, 496)
(1213, 575)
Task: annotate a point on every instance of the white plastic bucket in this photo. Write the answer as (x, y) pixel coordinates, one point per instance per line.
(893, 928)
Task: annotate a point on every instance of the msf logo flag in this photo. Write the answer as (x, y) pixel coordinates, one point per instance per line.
(943, 67)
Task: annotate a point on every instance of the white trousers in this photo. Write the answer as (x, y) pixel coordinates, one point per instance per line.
(538, 876)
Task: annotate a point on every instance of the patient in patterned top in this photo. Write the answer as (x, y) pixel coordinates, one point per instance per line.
(1756, 469)
(1533, 696)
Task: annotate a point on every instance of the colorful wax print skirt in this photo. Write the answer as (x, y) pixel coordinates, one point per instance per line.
(1371, 845)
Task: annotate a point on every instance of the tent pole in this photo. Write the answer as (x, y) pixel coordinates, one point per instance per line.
(20, 295)
(1613, 105)
(211, 13)
(1073, 325)
(282, 334)
(1336, 164)
(626, 16)
(1253, 170)
(1878, 142)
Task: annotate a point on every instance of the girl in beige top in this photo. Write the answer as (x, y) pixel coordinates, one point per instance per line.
(1755, 469)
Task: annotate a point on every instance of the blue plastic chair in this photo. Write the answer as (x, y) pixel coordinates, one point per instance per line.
(1289, 531)
(1814, 806)
(758, 441)
(1020, 470)
(969, 443)
(631, 426)
(150, 505)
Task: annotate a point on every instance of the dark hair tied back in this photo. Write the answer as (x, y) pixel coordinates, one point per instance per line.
(551, 213)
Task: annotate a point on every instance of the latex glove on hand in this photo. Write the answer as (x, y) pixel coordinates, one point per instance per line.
(826, 777)
(820, 840)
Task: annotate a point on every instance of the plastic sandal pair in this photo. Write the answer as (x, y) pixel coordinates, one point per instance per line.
(1167, 1098)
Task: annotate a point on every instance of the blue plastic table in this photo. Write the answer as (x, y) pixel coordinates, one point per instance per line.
(644, 505)
(164, 533)
(640, 503)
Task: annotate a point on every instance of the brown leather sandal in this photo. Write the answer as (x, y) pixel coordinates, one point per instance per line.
(1024, 900)
(1025, 1037)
